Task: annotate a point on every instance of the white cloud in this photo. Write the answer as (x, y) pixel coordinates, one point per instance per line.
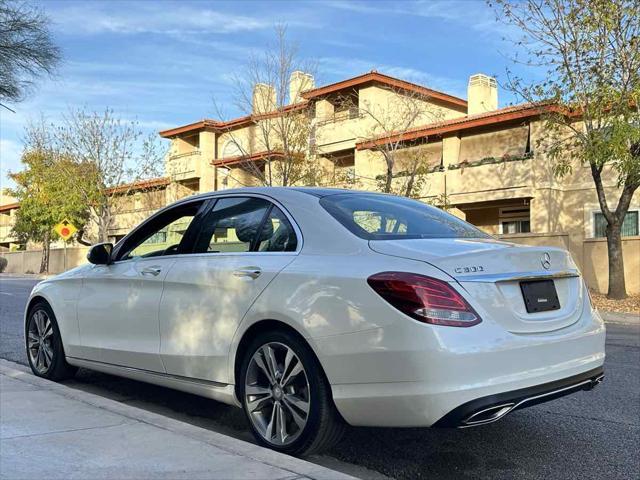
(476, 15)
(179, 20)
(94, 18)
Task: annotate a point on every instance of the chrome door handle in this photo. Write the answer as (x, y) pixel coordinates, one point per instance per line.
(251, 272)
(155, 271)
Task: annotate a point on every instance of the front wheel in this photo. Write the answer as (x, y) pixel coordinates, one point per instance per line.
(286, 396)
(44, 344)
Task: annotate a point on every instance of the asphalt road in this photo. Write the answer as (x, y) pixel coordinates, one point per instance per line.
(587, 435)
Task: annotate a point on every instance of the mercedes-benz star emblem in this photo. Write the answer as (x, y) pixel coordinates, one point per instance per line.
(546, 260)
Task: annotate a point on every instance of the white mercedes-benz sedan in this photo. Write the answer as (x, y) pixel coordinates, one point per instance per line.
(311, 308)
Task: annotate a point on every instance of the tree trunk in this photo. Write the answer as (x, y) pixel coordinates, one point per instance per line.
(103, 224)
(388, 181)
(617, 286)
(44, 263)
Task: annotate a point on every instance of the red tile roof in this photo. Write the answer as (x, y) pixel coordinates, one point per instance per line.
(239, 159)
(141, 185)
(9, 206)
(220, 126)
(376, 77)
(495, 117)
(367, 78)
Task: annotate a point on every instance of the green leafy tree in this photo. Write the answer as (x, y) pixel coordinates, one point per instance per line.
(590, 51)
(46, 192)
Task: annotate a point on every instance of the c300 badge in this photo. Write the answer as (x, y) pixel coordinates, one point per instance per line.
(470, 269)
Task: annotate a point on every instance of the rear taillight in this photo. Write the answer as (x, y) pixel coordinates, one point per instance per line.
(424, 298)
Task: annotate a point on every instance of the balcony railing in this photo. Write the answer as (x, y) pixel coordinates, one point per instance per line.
(184, 154)
(184, 166)
(348, 114)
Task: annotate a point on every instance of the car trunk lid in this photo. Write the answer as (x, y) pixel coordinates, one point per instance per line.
(492, 272)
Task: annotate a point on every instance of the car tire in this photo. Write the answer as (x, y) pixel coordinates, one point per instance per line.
(323, 425)
(43, 343)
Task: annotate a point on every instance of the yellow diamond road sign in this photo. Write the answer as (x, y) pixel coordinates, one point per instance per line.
(65, 229)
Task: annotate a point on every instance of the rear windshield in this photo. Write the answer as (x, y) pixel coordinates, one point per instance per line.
(387, 217)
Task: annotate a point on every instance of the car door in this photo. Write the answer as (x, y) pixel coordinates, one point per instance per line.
(242, 244)
(118, 305)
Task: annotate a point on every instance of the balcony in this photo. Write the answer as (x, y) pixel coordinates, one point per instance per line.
(338, 130)
(490, 179)
(184, 166)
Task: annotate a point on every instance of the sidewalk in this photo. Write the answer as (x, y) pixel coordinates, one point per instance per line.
(51, 431)
(625, 318)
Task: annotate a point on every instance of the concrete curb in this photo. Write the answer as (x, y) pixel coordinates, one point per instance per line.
(622, 318)
(26, 276)
(238, 447)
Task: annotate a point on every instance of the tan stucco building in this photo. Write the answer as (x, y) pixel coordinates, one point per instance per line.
(487, 164)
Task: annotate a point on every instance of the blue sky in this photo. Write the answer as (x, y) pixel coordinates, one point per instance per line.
(163, 62)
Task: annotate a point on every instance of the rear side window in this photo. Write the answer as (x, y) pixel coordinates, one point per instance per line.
(245, 224)
(277, 234)
(232, 225)
(387, 217)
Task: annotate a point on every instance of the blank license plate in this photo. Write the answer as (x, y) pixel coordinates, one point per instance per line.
(540, 296)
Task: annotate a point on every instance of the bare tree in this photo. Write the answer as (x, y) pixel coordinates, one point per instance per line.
(590, 50)
(276, 150)
(27, 50)
(385, 122)
(413, 164)
(120, 154)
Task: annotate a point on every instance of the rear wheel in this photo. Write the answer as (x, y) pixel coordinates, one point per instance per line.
(44, 345)
(286, 396)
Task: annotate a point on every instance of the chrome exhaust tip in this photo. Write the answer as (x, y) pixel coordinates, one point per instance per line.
(595, 382)
(488, 415)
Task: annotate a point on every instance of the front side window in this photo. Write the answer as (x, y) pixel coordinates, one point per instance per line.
(386, 217)
(629, 226)
(162, 235)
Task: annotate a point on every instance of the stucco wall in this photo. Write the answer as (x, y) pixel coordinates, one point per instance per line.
(29, 261)
(591, 257)
(596, 268)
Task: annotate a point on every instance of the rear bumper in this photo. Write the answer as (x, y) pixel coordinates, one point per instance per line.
(423, 376)
(494, 407)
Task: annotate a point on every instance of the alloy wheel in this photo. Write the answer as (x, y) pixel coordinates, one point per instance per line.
(277, 397)
(40, 341)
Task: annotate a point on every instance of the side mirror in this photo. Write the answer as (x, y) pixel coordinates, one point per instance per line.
(100, 253)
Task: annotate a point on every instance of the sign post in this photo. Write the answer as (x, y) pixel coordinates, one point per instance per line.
(65, 229)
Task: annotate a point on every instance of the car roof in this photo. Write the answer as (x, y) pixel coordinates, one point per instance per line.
(276, 192)
(323, 192)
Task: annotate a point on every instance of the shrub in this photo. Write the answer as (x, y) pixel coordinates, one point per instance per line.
(3, 264)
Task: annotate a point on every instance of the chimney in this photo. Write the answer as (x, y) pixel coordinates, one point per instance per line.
(298, 83)
(264, 98)
(482, 94)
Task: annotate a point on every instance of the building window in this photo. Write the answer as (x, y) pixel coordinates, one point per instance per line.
(516, 226)
(629, 226)
(515, 220)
